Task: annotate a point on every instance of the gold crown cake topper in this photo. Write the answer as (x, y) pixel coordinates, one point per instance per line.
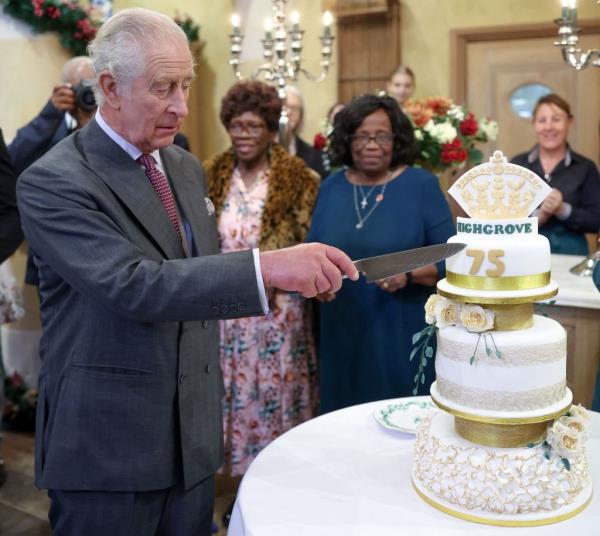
(499, 190)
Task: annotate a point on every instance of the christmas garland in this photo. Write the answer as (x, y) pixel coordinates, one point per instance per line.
(75, 25)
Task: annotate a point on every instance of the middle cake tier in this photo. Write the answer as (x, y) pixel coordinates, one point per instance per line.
(514, 373)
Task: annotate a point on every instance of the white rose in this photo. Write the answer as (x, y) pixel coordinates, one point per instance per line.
(430, 308)
(580, 412)
(489, 129)
(576, 424)
(446, 312)
(418, 134)
(443, 132)
(456, 112)
(476, 319)
(566, 442)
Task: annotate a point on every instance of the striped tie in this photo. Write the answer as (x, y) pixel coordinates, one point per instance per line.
(162, 188)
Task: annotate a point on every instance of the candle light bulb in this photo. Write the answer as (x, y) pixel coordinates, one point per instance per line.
(268, 26)
(235, 21)
(327, 21)
(295, 18)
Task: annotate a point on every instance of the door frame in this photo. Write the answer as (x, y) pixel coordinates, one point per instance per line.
(461, 37)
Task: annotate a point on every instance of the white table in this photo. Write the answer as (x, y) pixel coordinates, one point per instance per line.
(573, 290)
(342, 474)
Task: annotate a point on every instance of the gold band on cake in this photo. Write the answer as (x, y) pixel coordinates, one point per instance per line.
(500, 435)
(512, 317)
(516, 282)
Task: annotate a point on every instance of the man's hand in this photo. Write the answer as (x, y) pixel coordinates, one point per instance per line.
(309, 269)
(63, 98)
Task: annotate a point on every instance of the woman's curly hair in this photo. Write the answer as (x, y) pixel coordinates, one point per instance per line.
(252, 96)
(349, 119)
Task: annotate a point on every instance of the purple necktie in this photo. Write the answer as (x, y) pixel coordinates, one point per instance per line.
(162, 188)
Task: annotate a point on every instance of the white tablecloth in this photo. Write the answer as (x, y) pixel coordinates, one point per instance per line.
(343, 474)
(573, 290)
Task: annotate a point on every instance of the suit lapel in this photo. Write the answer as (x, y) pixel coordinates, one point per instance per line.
(127, 180)
(188, 192)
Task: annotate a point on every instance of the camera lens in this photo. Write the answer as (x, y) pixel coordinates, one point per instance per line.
(84, 97)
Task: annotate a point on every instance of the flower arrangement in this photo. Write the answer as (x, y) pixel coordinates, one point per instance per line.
(75, 24)
(187, 24)
(447, 134)
(20, 404)
(566, 437)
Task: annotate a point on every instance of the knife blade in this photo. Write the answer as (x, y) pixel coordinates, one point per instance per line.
(383, 266)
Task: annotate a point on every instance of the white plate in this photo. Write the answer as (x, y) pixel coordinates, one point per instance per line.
(404, 414)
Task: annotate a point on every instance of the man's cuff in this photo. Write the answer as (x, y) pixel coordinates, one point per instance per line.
(262, 293)
(565, 212)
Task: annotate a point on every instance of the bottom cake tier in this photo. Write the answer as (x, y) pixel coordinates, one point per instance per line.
(496, 486)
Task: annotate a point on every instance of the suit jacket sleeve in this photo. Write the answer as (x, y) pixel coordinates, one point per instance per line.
(10, 224)
(36, 137)
(84, 243)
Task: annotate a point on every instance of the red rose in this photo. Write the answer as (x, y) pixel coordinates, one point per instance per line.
(319, 142)
(468, 127)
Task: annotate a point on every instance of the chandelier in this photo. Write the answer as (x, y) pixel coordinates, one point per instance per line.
(568, 34)
(282, 51)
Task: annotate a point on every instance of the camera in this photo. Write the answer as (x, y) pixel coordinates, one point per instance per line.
(84, 97)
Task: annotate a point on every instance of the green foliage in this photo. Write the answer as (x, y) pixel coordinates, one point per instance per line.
(425, 351)
(191, 29)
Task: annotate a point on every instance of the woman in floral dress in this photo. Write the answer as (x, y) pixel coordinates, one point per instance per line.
(263, 199)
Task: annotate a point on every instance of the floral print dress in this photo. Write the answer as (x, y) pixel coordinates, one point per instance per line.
(268, 362)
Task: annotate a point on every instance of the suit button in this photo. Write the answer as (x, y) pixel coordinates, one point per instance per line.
(205, 324)
(207, 369)
(181, 378)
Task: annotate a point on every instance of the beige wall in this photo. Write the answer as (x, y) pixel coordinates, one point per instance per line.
(426, 25)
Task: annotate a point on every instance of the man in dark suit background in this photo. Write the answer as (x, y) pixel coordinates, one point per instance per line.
(311, 156)
(129, 430)
(10, 235)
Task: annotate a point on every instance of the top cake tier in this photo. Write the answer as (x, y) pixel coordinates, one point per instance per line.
(505, 261)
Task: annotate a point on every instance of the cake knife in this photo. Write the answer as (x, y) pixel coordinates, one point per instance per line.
(383, 266)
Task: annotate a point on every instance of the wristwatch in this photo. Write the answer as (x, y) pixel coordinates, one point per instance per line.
(409, 278)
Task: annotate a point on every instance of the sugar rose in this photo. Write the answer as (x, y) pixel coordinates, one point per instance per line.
(565, 441)
(430, 308)
(446, 312)
(580, 412)
(477, 319)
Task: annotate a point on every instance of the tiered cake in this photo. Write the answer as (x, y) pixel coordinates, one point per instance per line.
(508, 447)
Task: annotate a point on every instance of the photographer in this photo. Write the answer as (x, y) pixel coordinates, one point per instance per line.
(70, 107)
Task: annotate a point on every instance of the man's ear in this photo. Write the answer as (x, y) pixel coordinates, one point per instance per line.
(110, 89)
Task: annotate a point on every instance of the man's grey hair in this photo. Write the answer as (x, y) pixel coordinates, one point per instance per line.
(121, 43)
(72, 69)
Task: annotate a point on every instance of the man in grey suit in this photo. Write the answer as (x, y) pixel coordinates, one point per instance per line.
(131, 283)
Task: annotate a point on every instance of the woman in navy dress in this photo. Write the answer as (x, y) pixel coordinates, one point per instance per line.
(377, 204)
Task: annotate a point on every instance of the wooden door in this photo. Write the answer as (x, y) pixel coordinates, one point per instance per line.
(495, 69)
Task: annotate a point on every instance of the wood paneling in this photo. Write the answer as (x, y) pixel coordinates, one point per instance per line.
(368, 50)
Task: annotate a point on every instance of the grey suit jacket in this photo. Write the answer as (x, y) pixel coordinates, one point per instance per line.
(130, 387)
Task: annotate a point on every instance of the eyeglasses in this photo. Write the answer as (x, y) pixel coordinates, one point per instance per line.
(253, 129)
(383, 139)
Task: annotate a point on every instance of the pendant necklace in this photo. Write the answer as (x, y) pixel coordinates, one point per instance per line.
(365, 198)
(378, 199)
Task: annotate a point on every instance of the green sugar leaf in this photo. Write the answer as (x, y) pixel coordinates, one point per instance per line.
(416, 337)
(415, 390)
(429, 351)
(566, 463)
(412, 354)
(423, 379)
(423, 362)
(472, 359)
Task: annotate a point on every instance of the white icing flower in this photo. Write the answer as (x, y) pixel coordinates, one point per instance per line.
(565, 441)
(446, 312)
(489, 129)
(430, 308)
(580, 412)
(442, 132)
(576, 424)
(476, 319)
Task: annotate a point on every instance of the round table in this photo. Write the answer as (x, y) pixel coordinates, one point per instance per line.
(344, 474)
